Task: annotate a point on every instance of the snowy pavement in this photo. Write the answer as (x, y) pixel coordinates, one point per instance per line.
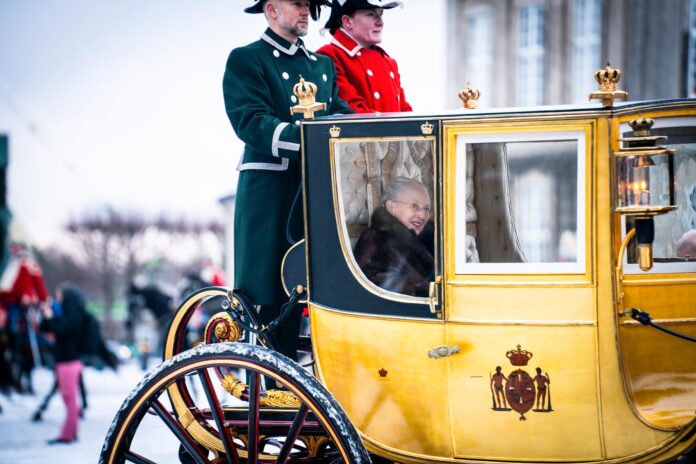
(23, 441)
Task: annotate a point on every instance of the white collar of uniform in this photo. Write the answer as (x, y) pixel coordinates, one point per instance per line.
(352, 52)
(291, 50)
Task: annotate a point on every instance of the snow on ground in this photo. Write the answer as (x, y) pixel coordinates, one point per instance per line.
(23, 441)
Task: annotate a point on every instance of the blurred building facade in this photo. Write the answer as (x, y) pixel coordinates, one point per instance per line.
(545, 52)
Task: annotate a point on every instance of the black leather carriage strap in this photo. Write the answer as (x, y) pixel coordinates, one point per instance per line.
(645, 319)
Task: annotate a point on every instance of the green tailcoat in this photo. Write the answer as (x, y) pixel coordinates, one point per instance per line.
(258, 89)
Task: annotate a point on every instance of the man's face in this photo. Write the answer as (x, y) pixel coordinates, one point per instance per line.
(365, 26)
(291, 16)
(411, 208)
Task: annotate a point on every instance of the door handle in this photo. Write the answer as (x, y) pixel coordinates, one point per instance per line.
(433, 296)
(443, 351)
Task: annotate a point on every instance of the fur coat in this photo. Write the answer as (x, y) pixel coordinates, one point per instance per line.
(394, 257)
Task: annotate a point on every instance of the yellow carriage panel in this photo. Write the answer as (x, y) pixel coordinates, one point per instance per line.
(380, 372)
(565, 426)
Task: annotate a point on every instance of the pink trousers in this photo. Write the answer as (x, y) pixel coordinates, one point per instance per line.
(68, 374)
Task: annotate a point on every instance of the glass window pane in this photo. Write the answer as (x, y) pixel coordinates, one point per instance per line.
(675, 232)
(386, 211)
(519, 204)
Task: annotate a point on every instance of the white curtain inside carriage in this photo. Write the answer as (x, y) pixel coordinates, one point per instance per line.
(365, 167)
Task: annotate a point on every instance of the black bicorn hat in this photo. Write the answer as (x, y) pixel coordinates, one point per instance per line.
(314, 7)
(343, 7)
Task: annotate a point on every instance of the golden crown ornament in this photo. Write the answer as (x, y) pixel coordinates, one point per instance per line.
(335, 132)
(470, 97)
(608, 80)
(427, 128)
(641, 126)
(306, 93)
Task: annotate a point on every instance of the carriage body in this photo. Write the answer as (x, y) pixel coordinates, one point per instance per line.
(526, 242)
(518, 350)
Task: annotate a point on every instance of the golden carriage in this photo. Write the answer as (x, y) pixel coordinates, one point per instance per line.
(554, 231)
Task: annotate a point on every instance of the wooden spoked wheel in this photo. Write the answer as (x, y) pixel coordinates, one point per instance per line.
(220, 427)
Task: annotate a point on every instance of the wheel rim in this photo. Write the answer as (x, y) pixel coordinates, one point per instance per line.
(222, 434)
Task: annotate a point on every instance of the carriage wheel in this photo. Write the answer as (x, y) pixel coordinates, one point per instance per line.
(235, 431)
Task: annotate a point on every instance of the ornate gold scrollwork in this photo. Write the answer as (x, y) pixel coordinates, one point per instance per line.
(269, 398)
(313, 443)
(223, 327)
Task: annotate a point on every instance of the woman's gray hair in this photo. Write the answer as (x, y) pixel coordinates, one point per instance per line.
(396, 185)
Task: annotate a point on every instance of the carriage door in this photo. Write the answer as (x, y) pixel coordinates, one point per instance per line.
(519, 293)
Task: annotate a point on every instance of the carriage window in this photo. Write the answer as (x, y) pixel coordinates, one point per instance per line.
(386, 211)
(519, 203)
(674, 248)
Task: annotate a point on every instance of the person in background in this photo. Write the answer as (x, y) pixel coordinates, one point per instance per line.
(67, 329)
(258, 91)
(368, 78)
(22, 289)
(686, 245)
(390, 252)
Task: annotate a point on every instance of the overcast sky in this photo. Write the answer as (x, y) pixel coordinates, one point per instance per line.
(119, 102)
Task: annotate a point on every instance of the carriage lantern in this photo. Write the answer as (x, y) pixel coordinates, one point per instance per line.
(645, 183)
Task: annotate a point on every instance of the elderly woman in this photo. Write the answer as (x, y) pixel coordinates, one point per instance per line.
(391, 252)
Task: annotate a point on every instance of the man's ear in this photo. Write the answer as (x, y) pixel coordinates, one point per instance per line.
(270, 9)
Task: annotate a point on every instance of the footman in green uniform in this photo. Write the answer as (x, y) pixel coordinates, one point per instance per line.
(258, 89)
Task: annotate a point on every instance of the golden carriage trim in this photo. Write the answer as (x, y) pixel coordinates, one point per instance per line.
(306, 93)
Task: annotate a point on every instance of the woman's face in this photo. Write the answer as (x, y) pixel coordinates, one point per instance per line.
(365, 26)
(411, 208)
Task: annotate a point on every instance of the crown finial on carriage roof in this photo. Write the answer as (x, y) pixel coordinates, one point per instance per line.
(608, 79)
(469, 97)
(306, 93)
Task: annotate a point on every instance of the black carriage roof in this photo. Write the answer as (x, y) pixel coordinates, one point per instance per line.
(619, 107)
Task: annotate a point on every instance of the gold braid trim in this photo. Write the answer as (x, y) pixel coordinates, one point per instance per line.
(269, 398)
(233, 385)
(279, 399)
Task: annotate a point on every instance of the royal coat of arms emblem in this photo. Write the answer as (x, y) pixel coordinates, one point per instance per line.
(519, 391)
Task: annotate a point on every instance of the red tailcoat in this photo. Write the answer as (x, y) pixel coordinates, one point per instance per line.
(368, 79)
(22, 283)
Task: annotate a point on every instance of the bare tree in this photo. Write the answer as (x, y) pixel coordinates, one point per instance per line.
(105, 250)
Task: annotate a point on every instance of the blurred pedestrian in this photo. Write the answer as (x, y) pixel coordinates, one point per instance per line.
(22, 289)
(68, 330)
